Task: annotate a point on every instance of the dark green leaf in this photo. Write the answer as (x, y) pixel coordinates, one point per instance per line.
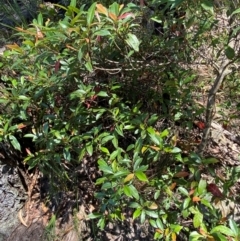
(230, 53)
(106, 139)
(15, 142)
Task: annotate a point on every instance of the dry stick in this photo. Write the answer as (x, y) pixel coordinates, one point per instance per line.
(222, 73)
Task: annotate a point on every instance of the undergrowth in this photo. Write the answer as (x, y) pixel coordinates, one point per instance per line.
(90, 87)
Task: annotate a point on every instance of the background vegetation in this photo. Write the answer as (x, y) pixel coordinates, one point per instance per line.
(116, 88)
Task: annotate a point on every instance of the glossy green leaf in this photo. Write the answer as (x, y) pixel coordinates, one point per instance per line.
(107, 185)
(157, 194)
(159, 224)
(235, 229)
(230, 53)
(127, 191)
(223, 229)
(141, 176)
(134, 205)
(207, 5)
(102, 94)
(101, 223)
(133, 41)
(155, 138)
(73, 3)
(197, 219)
(176, 228)
(219, 237)
(235, 11)
(152, 214)
(134, 192)
(115, 142)
(114, 8)
(40, 19)
(89, 148)
(186, 202)
(88, 66)
(15, 142)
(67, 154)
(206, 203)
(137, 161)
(114, 154)
(105, 150)
(202, 186)
(121, 173)
(94, 215)
(102, 32)
(106, 139)
(143, 216)
(137, 213)
(210, 160)
(176, 150)
(23, 97)
(164, 133)
(90, 14)
(183, 191)
(80, 55)
(195, 236)
(105, 167)
(119, 130)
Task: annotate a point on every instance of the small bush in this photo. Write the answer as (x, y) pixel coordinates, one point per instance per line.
(77, 89)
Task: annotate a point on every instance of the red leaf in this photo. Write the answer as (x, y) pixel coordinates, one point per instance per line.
(28, 151)
(21, 126)
(212, 188)
(57, 66)
(181, 174)
(196, 199)
(201, 125)
(125, 15)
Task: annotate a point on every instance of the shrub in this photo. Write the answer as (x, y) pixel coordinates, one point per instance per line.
(75, 88)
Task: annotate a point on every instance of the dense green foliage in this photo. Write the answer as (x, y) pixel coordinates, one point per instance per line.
(100, 84)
